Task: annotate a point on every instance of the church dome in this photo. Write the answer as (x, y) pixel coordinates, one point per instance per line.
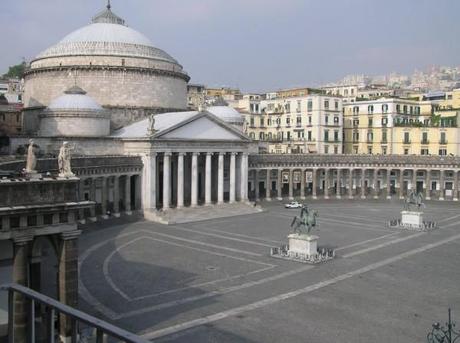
(106, 35)
(74, 98)
(227, 114)
(74, 114)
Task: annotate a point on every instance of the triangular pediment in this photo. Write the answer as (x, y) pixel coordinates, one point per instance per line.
(202, 127)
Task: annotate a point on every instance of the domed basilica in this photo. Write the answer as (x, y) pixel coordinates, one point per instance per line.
(116, 65)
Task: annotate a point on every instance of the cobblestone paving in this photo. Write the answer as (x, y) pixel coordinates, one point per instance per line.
(213, 281)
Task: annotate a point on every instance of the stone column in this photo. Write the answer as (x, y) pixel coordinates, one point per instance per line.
(220, 180)
(207, 181)
(116, 196)
(314, 184)
(350, 186)
(180, 180)
(92, 197)
(388, 183)
(455, 198)
(428, 185)
(128, 195)
(149, 182)
(279, 184)
(166, 180)
(291, 184)
(302, 184)
(338, 191)
(374, 183)
(20, 276)
(194, 182)
(414, 179)
(104, 194)
(268, 186)
(326, 183)
(68, 277)
(256, 185)
(441, 184)
(401, 184)
(81, 192)
(244, 177)
(363, 183)
(232, 177)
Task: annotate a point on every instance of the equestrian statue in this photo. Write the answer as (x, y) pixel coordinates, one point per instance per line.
(413, 198)
(306, 221)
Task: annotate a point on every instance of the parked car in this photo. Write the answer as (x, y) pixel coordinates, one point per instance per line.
(293, 204)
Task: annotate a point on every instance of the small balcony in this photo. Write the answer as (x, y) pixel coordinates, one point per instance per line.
(406, 141)
(425, 141)
(443, 141)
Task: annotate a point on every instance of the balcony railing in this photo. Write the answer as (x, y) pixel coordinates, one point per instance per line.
(53, 308)
(443, 141)
(425, 141)
(406, 141)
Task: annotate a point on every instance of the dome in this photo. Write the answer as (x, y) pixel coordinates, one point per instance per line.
(227, 114)
(106, 35)
(74, 99)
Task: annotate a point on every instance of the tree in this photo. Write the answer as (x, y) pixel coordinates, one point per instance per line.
(16, 71)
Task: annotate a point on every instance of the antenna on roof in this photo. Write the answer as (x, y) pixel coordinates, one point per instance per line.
(109, 6)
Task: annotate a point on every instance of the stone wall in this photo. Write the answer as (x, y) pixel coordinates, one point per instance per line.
(76, 125)
(109, 87)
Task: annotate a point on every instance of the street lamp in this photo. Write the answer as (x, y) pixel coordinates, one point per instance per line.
(441, 334)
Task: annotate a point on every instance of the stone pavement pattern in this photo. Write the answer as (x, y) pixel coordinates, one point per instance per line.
(213, 281)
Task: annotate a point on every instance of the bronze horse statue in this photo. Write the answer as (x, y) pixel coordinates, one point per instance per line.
(413, 198)
(306, 221)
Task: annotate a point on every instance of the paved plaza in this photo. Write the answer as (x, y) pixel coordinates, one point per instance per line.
(214, 281)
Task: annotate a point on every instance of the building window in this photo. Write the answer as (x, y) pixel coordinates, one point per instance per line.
(443, 138)
(442, 152)
(356, 110)
(370, 136)
(355, 122)
(326, 104)
(123, 62)
(370, 109)
(384, 137)
(406, 138)
(309, 105)
(261, 136)
(269, 121)
(336, 136)
(288, 135)
(405, 109)
(252, 122)
(326, 119)
(406, 151)
(336, 120)
(424, 151)
(336, 149)
(326, 149)
(369, 150)
(384, 121)
(356, 136)
(384, 108)
(309, 135)
(384, 150)
(336, 105)
(299, 121)
(326, 135)
(309, 120)
(398, 108)
(288, 121)
(370, 124)
(424, 137)
(262, 122)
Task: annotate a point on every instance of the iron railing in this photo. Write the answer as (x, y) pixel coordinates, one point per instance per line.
(52, 309)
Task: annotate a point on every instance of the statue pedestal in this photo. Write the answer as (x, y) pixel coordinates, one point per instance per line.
(303, 249)
(303, 244)
(412, 219)
(33, 175)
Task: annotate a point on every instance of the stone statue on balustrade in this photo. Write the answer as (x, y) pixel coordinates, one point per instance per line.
(151, 129)
(64, 160)
(31, 162)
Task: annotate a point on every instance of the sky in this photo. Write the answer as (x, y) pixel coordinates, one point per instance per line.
(257, 45)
